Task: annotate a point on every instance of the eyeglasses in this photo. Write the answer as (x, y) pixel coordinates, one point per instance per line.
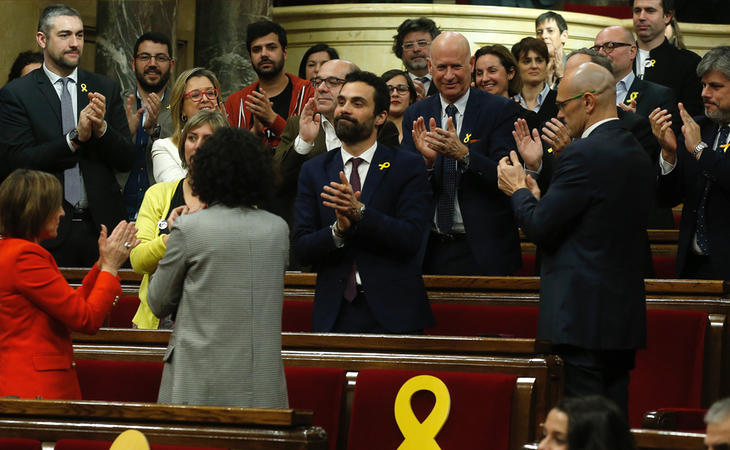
(146, 57)
(196, 95)
(330, 82)
(610, 46)
(561, 104)
(401, 88)
(420, 44)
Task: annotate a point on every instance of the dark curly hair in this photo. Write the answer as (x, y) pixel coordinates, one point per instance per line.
(232, 167)
(23, 59)
(595, 423)
(409, 25)
(263, 27)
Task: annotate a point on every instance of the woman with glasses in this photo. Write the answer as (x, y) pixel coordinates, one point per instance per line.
(194, 90)
(163, 203)
(495, 71)
(535, 96)
(402, 95)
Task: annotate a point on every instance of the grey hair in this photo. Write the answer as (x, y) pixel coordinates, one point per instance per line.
(719, 411)
(596, 57)
(716, 59)
(51, 11)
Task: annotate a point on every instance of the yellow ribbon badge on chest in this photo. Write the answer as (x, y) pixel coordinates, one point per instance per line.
(725, 147)
(467, 138)
(632, 97)
(385, 165)
(649, 63)
(83, 87)
(421, 435)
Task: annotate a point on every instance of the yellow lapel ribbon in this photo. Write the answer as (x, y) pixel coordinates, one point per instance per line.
(421, 435)
(83, 87)
(550, 150)
(467, 138)
(724, 147)
(632, 97)
(650, 63)
(385, 165)
(167, 107)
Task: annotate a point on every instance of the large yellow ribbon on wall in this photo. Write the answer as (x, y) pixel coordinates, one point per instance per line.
(421, 435)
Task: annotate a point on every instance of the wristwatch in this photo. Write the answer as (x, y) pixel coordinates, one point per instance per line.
(362, 211)
(701, 146)
(73, 136)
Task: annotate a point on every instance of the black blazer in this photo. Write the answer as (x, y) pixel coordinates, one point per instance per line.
(591, 227)
(487, 131)
(676, 69)
(686, 184)
(31, 136)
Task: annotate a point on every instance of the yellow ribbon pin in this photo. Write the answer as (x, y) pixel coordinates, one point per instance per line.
(167, 107)
(651, 63)
(467, 138)
(83, 87)
(550, 150)
(724, 147)
(385, 165)
(632, 97)
(421, 435)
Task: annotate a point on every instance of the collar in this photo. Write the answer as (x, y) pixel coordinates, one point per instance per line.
(367, 155)
(413, 77)
(628, 80)
(540, 97)
(460, 104)
(53, 77)
(590, 129)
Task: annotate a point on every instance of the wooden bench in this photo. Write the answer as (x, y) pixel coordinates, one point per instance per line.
(224, 427)
(524, 358)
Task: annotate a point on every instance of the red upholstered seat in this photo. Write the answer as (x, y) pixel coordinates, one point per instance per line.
(296, 316)
(479, 417)
(318, 389)
(664, 266)
(122, 313)
(77, 444)
(19, 444)
(484, 320)
(122, 381)
(619, 12)
(668, 372)
(528, 266)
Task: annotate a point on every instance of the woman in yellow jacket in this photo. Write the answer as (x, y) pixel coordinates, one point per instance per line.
(162, 204)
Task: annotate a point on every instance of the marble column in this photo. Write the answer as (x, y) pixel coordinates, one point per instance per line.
(220, 39)
(118, 25)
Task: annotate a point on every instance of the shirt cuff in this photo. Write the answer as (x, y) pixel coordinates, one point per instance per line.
(302, 147)
(339, 241)
(70, 144)
(533, 173)
(665, 166)
(106, 128)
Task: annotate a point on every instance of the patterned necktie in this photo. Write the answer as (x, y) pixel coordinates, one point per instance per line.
(445, 215)
(71, 176)
(423, 80)
(702, 241)
(351, 286)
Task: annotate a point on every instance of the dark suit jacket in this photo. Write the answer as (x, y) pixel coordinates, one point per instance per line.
(487, 130)
(686, 184)
(676, 69)
(591, 229)
(31, 137)
(651, 95)
(385, 243)
(547, 111)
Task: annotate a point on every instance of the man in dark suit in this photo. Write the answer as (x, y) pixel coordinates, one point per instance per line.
(71, 123)
(363, 232)
(462, 133)
(591, 230)
(411, 45)
(695, 170)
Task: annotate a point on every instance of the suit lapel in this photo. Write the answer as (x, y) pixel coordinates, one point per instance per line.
(82, 92)
(470, 118)
(49, 92)
(635, 91)
(334, 165)
(378, 166)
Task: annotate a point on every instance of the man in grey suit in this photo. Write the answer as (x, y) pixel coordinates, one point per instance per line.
(222, 278)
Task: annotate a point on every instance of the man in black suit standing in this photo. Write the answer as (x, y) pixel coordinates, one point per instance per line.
(71, 123)
(591, 229)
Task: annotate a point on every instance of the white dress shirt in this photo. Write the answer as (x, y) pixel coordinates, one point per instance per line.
(330, 139)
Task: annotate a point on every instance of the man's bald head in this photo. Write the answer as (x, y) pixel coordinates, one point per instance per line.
(586, 95)
(590, 76)
(617, 43)
(451, 65)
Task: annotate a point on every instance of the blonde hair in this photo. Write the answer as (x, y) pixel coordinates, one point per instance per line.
(215, 119)
(176, 97)
(28, 198)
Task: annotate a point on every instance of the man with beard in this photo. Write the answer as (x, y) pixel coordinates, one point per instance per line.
(71, 123)
(147, 112)
(264, 106)
(412, 45)
(695, 170)
(362, 232)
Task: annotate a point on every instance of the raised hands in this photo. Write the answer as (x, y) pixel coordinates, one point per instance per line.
(528, 144)
(556, 135)
(181, 211)
(661, 122)
(114, 249)
(259, 105)
(152, 105)
(690, 130)
(510, 175)
(96, 112)
(438, 140)
(345, 202)
(309, 122)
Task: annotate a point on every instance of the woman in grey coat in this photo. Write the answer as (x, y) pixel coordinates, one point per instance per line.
(222, 277)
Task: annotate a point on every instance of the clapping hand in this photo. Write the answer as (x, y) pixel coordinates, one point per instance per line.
(114, 249)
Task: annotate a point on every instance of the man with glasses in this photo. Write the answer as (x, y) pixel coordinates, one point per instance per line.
(591, 229)
(659, 61)
(412, 45)
(642, 96)
(148, 112)
(71, 123)
(264, 106)
(313, 133)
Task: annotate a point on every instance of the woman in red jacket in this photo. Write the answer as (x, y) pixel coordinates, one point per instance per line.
(38, 309)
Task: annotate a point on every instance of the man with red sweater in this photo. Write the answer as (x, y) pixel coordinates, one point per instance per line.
(264, 106)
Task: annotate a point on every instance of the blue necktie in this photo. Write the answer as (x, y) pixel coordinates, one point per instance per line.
(72, 176)
(445, 215)
(351, 286)
(702, 241)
